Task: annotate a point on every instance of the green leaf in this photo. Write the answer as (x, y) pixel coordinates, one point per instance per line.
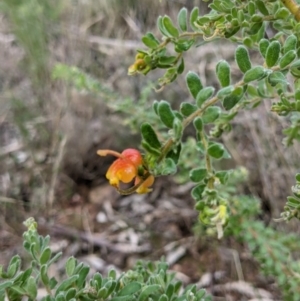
(260, 34)
(297, 177)
(70, 266)
(183, 45)
(150, 136)
(121, 298)
(198, 174)
(170, 290)
(277, 77)
(287, 59)
(198, 124)
(216, 150)
(19, 290)
(13, 266)
(167, 61)
(193, 17)
(211, 114)
(4, 285)
(204, 95)
(148, 290)
(293, 201)
(295, 68)
(282, 13)
(252, 91)
(46, 255)
(242, 58)
(169, 26)
(130, 289)
(23, 276)
(255, 73)
(263, 46)
(231, 100)
(254, 29)
(98, 278)
(163, 297)
(110, 285)
(182, 19)
(53, 282)
(31, 287)
(200, 294)
(256, 18)
(151, 150)
(169, 167)
(44, 275)
(262, 8)
(225, 91)
(165, 113)
(161, 27)
(223, 73)
(64, 285)
(251, 8)
(290, 43)
(177, 129)
(80, 282)
(231, 31)
(194, 83)
(223, 176)
(174, 153)
(54, 258)
(273, 53)
(102, 293)
(180, 68)
(247, 41)
(203, 20)
(197, 191)
(186, 109)
(71, 293)
(155, 106)
(150, 41)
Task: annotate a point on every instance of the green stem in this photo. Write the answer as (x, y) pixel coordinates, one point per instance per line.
(209, 168)
(168, 145)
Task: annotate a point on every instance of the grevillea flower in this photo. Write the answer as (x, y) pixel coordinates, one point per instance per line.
(126, 168)
(144, 187)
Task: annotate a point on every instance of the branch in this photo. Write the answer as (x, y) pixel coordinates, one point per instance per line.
(293, 7)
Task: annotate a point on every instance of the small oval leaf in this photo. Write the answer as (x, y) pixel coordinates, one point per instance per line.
(216, 150)
(194, 83)
(169, 27)
(149, 135)
(223, 73)
(242, 58)
(197, 175)
(273, 53)
(211, 114)
(255, 73)
(182, 19)
(165, 113)
(204, 95)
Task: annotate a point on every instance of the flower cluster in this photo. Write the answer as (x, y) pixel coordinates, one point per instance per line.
(128, 167)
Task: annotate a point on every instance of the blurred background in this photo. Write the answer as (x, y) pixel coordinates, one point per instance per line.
(50, 132)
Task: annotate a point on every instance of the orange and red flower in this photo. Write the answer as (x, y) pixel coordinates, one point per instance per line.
(126, 168)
